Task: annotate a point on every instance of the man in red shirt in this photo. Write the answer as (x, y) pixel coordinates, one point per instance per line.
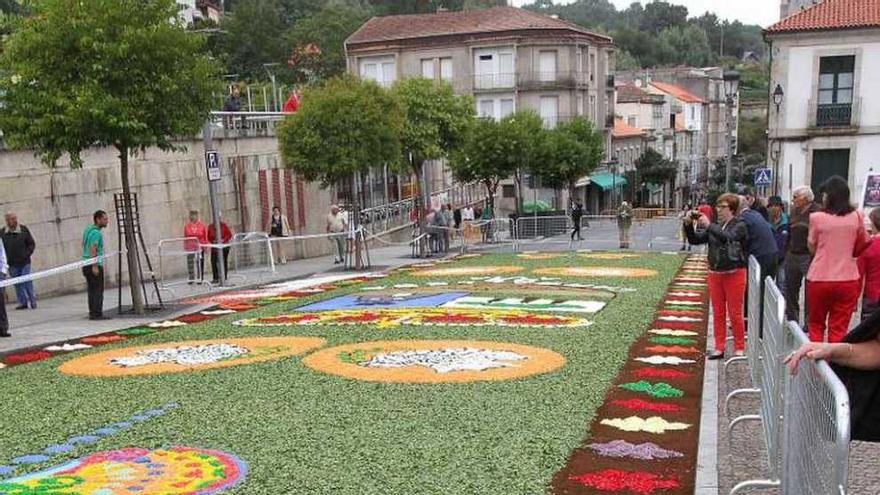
(292, 102)
(196, 235)
(225, 237)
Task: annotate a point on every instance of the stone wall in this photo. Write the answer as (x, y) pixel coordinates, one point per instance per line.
(57, 203)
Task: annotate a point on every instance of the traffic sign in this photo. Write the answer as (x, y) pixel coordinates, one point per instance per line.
(763, 176)
(212, 164)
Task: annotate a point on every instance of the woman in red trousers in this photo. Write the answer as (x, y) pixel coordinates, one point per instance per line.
(727, 241)
(837, 237)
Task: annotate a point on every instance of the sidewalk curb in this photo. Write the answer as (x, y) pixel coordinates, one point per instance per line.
(707, 453)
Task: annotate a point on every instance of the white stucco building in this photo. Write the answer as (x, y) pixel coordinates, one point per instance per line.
(826, 64)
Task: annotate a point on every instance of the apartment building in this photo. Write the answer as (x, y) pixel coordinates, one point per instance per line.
(507, 58)
(824, 114)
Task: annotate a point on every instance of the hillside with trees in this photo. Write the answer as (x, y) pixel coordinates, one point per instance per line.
(660, 33)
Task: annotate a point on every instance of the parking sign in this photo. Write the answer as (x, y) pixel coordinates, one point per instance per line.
(212, 164)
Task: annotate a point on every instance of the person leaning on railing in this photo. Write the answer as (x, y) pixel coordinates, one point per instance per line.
(727, 241)
(856, 361)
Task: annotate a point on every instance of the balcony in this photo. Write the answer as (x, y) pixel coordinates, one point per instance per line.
(493, 81)
(834, 118)
(835, 115)
(550, 80)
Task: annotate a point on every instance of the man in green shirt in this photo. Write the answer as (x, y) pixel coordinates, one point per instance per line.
(93, 246)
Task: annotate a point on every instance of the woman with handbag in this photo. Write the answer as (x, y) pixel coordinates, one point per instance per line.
(728, 240)
(837, 237)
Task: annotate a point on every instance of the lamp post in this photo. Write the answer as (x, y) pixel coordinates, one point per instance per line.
(613, 166)
(774, 147)
(731, 89)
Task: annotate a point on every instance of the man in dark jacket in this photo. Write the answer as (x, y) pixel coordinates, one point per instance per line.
(755, 203)
(762, 242)
(577, 211)
(798, 257)
(19, 245)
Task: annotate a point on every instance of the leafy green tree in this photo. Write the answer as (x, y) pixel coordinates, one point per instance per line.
(572, 150)
(344, 127)
(254, 36)
(689, 45)
(435, 125)
(660, 15)
(654, 167)
(525, 136)
(752, 139)
(317, 51)
(104, 73)
(484, 157)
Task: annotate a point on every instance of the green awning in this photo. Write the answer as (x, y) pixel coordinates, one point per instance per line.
(607, 180)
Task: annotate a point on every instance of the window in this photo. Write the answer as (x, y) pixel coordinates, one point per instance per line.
(580, 105)
(593, 108)
(379, 69)
(486, 108)
(428, 68)
(631, 121)
(549, 110)
(693, 113)
(507, 107)
(547, 65)
(493, 68)
(592, 67)
(508, 191)
(446, 69)
(579, 56)
(835, 91)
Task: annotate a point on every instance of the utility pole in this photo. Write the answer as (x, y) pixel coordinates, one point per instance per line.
(207, 137)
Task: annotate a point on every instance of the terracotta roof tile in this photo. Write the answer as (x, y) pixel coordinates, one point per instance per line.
(623, 130)
(831, 14)
(494, 20)
(677, 92)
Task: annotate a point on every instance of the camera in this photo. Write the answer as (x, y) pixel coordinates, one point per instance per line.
(695, 215)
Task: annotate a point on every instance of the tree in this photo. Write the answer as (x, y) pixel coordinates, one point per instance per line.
(524, 134)
(254, 36)
(318, 43)
(654, 167)
(659, 15)
(483, 158)
(689, 45)
(572, 150)
(104, 73)
(342, 128)
(435, 122)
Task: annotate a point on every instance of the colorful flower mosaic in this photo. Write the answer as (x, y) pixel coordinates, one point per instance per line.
(434, 361)
(384, 318)
(174, 357)
(535, 255)
(176, 470)
(610, 256)
(661, 383)
(596, 271)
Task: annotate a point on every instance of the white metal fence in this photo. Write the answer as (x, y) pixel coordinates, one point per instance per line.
(805, 417)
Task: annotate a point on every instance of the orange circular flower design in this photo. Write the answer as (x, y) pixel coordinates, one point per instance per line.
(596, 271)
(465, 271)
(434, 361)
(192, 355)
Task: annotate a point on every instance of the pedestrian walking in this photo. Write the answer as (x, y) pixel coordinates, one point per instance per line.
(224, 238)
(577, 211)
(798, 257)
(624, 223)
(19, 245)
(93, 247)
(779, 226)
(336, 226)
(196, 236)
(869, 268)
(837, 237)
(279, 227)
(4, 272)
(727, 241)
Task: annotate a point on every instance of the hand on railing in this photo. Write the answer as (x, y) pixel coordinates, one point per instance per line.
(814, 351)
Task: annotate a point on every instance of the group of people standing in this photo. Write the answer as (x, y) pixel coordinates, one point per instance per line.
(825, 244)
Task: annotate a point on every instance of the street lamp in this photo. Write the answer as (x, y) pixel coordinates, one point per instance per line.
(731, 89)
(778, 95)
(271, 74)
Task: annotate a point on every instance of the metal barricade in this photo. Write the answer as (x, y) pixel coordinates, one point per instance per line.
(489, 233)
(753, 345)
(817, 426)
(178, 258)
(251, 252)
(537, 231)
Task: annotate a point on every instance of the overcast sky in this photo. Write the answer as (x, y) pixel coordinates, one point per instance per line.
(762, 12)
